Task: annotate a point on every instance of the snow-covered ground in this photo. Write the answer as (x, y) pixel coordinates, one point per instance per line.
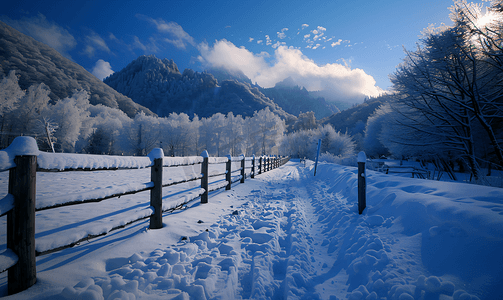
(284, 234)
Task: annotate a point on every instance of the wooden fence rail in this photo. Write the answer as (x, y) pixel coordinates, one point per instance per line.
(20, 203)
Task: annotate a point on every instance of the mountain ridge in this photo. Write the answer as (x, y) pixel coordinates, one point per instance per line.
(35, 62)
(159, 85)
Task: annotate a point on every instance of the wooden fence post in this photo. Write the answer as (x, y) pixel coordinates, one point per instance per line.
(362, 185)
(253, 167)
(228, 176)
(243, 173)
(157, 155)
(260, 165)
(21, 223)
(204, 179)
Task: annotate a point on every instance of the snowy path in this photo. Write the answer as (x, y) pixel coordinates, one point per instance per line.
(289, 235)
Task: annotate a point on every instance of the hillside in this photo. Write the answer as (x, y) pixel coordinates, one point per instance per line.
(159, 85)
(296, 100)
(36, 62)
(353, 119)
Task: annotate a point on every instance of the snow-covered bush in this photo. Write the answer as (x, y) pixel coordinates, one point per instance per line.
(304, 143)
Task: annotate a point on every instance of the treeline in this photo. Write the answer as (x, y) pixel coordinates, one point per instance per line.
(447, 95)
(74, 125)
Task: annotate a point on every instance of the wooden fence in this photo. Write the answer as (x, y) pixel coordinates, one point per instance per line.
(20, 203)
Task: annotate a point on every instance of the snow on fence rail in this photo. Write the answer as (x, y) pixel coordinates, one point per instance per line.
(23, 159)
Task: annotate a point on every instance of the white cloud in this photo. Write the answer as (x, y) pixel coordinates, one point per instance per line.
(339, 42)
(178, 37)
(307, 36)
(89, 50)
(277, 44)
(94, 41)
(112, 37)
(346, 83)
(225, 54)
(336, 43)
(260, 42)
(281, 34)
(102, 69)
(138, 44)
(304, 26)
(318, 32)
(45, 31)
(251, 39)
(268, 40)
(149, 47)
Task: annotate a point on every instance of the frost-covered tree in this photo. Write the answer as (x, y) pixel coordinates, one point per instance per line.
(177, 135)
(29, 109)
(268, 131)
(372, 144)
(232, 134)
(10, 95)
(72, 118)
(448, 97)
(110, 125)
(305, 121)
(300, 144)
(334, 142)
(143, 134)
(195, 130)
(212, 131)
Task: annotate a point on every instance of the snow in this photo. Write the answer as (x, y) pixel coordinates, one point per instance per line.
(6, 204)
(25, 145)
(156, 153)
(7, 259)
(62, 161)
(362, 157)
(283, 234)
(22, 145)
(217, 160)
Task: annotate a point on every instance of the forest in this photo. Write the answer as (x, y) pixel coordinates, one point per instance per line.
(72, 124)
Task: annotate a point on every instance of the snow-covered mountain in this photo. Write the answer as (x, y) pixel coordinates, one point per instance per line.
(159, 85)
(37, 63)
(295, 99)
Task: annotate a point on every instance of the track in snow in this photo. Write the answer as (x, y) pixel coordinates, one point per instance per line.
(292, 236)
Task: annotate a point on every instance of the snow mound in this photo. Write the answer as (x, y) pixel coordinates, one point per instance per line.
(22, 145)
(62, 161)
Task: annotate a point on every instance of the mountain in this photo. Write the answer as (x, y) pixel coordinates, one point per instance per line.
(295, 100)
(159, 85)
(222, 74)
(36, 62)
(354, 120)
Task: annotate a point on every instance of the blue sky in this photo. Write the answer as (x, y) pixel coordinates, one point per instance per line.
(347, 46)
